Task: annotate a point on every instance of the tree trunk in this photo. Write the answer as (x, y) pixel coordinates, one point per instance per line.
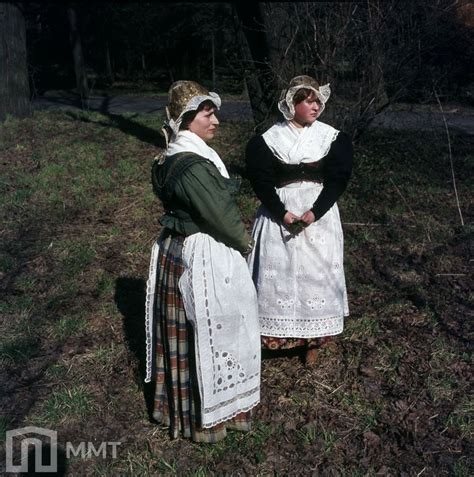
(108, 63)
(213, 54)
(79, 65)
(14, 88)
(259, 77)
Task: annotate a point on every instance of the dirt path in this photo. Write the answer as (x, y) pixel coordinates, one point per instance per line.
(458, 120)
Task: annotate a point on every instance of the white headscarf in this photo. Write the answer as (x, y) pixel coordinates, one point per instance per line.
(187, 141)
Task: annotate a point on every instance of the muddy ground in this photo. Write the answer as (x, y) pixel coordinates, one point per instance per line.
(390, 396)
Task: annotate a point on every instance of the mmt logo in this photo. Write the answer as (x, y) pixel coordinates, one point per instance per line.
(21, 434)
(40, 441)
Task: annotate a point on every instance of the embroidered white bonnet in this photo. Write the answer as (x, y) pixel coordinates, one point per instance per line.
(286, 106)
(184, 96)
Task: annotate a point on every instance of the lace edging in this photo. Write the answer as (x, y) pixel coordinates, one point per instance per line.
(149, 304)
(290, 332)
(231, 416)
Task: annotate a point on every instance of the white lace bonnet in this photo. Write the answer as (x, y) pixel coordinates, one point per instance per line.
(286, 106)
(184, 96)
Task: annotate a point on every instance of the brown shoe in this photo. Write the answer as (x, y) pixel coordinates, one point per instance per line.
(311, 357)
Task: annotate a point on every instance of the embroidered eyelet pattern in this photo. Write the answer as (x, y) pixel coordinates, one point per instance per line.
(301, 273)
(316, 303)
(284, 327)
(287, 302)
(229, 372)
(270, 273)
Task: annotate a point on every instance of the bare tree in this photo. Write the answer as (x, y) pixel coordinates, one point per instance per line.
(14, 88)
(373, 52)
(78, 56)
(259, 74)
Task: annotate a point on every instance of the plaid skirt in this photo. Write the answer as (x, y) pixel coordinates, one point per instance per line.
(176, 402)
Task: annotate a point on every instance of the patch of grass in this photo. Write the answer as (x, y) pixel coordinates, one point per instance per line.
(163, 466)
(106, 356)
(135, 462)
(106, 285)
(201, 471)
(135, 248)
(18, 305)
(308, 434)
(67, 326)
(461, 419)
(361, 328)
(253, 443)
(63, 294)
(442, 354)
(389, 359)
(440, 382)
(65, 404)
(441, 388)
(366, 412)
(359, 472)
(6, 263)
(5, 425)
(330, 439)
(75, 256)
(127, 171)
(397, 307)
(109, 309)
(19, 198)
(57, 372)
(112, 232)
(17, 350)
(461, 468)
(19, 342)
(101, 361)
(26, 283)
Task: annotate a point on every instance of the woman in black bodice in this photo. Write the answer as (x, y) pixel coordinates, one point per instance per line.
(298, 169)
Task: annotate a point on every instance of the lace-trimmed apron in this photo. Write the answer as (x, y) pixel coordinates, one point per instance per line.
(299, 278)
(220, 301)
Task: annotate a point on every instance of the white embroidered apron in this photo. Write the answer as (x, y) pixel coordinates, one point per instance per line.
(299, 278)
(220, 301)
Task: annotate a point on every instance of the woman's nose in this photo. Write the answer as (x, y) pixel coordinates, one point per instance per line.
(214, 120)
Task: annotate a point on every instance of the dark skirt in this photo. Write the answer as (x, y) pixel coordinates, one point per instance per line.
(176, 403)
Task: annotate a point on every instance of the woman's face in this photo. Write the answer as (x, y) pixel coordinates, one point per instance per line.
(307, 111)
(204, 123)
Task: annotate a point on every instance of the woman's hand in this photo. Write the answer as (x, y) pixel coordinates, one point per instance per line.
(308, 217)
(289, 218)
(293, 223)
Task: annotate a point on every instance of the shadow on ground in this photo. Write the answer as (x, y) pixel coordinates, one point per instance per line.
(130, 296)
(124, 124)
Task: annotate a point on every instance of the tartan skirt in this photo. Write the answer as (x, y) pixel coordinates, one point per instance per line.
(176, 401)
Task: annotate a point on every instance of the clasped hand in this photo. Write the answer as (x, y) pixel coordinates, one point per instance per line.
(295, 224)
